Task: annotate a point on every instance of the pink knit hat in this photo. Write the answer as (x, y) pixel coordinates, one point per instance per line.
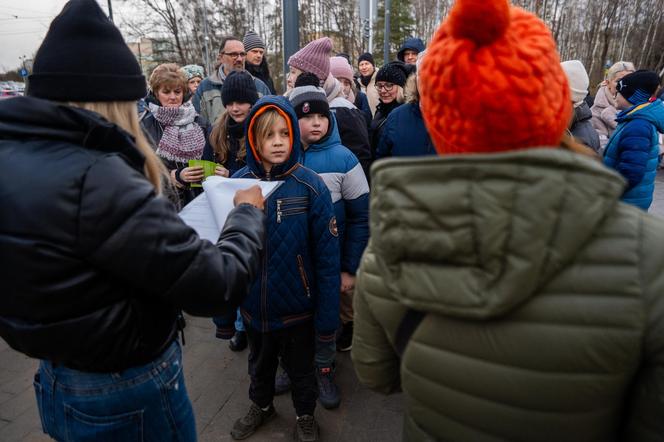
(340, 68)
(314, 58)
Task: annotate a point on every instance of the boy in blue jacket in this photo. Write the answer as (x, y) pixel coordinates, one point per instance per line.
(294, 301)
(634, 146)
(344, 177)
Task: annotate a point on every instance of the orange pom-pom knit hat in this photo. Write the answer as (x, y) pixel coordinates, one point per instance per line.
(492, 81)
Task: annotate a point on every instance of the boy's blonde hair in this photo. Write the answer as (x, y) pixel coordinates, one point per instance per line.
(261, 125)
(125, 115)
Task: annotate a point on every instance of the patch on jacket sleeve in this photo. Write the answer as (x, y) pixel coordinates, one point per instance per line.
(333, 226)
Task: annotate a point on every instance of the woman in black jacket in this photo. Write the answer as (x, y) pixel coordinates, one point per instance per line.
(390, 82)
(96, 264)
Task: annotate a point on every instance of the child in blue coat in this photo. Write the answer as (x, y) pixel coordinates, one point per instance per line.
(294, 301)
(634, 146)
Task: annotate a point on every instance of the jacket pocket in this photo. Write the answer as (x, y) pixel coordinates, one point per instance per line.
(291, 206)
(303, 275)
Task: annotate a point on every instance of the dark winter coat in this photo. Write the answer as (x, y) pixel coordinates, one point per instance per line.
(633, 150)
(541, 296)
(299, 277)
(582, 127)
(235, 134)
(262, 72)
(344, 177)
(404, 134)
(95, 267)
(362, 103)
(378, 123)
(155, 131)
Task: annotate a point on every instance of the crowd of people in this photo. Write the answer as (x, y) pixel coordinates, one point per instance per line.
(491, 272)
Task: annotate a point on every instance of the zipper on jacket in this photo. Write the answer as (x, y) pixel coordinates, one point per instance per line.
(303, 275)
(278, 211)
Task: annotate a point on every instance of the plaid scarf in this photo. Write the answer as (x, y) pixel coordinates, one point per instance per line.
(183, 139)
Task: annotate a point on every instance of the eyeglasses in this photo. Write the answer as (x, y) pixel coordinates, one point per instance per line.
(235, 54)
(385, 86)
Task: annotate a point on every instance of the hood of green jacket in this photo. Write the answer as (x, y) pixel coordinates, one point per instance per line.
(475, 236)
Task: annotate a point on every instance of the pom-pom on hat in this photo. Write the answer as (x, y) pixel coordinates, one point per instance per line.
(240, 87)
(492, 81)
(84, 58)
(314, 58)
(638, 87)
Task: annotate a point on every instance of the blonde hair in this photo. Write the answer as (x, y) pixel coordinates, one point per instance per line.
(619, 67)
(168, 74)
(219, 140)
(125, 116)
(262, 126)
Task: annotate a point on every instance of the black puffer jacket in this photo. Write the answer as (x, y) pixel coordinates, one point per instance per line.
(94, 266)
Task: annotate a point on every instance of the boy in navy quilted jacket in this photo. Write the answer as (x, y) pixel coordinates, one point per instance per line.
(294, 302)
(634, 146)
(342, 173)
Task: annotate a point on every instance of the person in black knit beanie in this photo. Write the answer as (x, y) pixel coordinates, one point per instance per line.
(97, 265)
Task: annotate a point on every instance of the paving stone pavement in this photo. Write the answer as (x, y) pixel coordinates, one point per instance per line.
(218, 385)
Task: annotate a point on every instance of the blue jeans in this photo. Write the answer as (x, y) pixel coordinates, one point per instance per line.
(146, 403)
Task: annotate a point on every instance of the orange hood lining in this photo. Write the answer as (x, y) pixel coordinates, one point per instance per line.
(250, 130)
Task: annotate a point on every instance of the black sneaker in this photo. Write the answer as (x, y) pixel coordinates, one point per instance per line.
(306, 429)
(247, 425)
(238, 342)
(345, 338)
(282, 383)
(328, 392)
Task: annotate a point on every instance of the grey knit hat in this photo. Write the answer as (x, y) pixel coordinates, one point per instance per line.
(252, 41)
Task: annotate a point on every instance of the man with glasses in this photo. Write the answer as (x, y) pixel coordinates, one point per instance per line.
(207, 99)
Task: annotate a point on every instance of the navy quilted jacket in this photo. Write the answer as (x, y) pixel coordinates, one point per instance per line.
(299, 276)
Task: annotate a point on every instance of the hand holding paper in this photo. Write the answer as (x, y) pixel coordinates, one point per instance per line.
(252, 195)
(207, 213)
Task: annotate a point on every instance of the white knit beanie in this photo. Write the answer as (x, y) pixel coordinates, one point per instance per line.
(578, 80)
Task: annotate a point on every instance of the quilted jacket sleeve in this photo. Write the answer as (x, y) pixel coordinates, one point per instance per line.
(137, 238)
(355, 194)
(325, 255)
(375, 360)
(646, 406)
(634, 146)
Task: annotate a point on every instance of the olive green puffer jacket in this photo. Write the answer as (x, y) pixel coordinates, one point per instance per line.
(543, 294)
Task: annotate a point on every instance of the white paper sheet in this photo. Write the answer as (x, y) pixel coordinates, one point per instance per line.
(207, 213)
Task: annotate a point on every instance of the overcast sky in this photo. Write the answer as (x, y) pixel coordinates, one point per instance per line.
(23, 25)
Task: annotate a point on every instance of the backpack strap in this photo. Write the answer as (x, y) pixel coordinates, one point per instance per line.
(409, 323)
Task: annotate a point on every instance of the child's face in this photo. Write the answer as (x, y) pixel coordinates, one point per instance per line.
(275, 148)
(313, 127)
(622, 103)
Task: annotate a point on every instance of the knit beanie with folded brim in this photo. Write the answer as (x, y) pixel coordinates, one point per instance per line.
(526, 103)
(84, 58)
(314, 58)
(396, 72)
